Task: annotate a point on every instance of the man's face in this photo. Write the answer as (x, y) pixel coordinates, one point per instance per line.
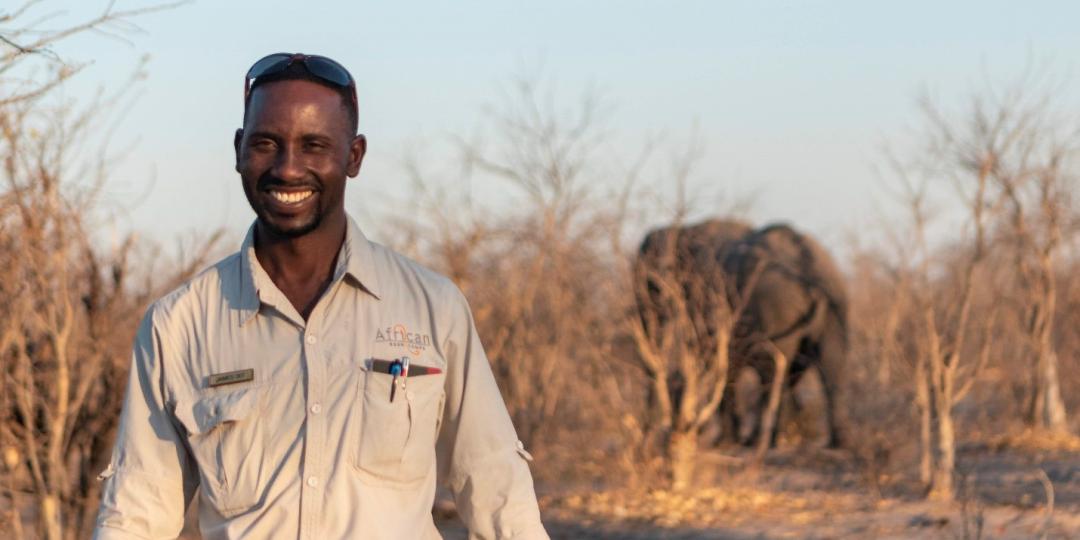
(293, 155)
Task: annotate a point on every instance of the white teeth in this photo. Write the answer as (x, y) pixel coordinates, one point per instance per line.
(291, 197)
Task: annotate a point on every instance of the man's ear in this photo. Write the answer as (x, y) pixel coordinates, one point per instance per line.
(239, 136)
(357, 149)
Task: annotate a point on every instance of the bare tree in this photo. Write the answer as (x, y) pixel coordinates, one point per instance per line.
(941, 319)
(26, 43)
(536, 271)
(944, 308)
(69, 310)
(687, 386)
(683, 331)
(63, 295)
(1027, 151)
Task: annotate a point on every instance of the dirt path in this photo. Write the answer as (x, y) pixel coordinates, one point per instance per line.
(911, 520)
(822, 495)
(899, 522)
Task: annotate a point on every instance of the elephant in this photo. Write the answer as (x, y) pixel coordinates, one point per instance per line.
(685, 254)
(792, 294)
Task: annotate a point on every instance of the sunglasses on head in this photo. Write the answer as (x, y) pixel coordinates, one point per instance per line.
(319, 66)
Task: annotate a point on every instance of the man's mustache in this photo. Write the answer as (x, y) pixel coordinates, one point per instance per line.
(267, 182)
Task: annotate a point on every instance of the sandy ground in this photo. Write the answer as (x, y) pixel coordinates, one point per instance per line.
(822, 494)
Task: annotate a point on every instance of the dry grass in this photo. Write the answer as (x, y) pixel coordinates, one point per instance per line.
(800, 495)
(705, 507)
(1035, 441)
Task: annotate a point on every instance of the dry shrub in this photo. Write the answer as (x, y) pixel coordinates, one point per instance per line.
(69, 299)
(70, 306)
(994, 297)
(547, 277)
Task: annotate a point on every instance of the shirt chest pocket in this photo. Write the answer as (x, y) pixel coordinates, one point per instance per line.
(227, 440)
(396, 445)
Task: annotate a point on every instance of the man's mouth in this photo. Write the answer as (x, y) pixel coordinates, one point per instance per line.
(290, 197)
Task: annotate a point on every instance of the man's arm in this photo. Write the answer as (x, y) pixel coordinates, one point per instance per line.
(149, 480)
(480, 456)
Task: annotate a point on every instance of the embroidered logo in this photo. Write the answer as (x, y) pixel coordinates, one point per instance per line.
(400, 336)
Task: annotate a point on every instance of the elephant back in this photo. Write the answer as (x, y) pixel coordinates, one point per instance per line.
(688, 249)
(796, 255)
(691, 256)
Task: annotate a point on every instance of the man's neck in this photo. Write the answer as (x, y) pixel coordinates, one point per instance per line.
(302, 267)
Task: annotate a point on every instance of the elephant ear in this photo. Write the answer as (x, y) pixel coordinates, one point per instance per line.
(821, 267)
(809, 259)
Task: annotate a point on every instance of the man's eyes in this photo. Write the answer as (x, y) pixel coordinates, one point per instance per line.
(267, 145)
(263, 145)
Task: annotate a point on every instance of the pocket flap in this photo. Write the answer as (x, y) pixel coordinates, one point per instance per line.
(201, 415)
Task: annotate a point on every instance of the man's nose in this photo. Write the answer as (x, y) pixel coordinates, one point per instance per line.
(289, 165)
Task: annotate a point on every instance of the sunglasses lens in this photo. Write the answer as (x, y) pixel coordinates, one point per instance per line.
(269, 64)
(329, 70)
(319, 66)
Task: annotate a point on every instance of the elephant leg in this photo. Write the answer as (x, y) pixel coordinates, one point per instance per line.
(831, 367)
(711, 432)
(783, 414)
(728, 416)
(790, 406)
(746, 405)
(716, 429)
(795, 376)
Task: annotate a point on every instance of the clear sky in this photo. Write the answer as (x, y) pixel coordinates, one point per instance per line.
(792, 99)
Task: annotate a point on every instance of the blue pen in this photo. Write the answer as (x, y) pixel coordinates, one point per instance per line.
(395, 370)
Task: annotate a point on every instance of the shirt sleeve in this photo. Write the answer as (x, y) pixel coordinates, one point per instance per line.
(149, 480)
(479, 455)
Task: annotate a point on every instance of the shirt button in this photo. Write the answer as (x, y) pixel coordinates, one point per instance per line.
(312, 481)
(311, 340)
(316, 409)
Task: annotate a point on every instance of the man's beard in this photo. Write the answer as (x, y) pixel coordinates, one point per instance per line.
(293, 232)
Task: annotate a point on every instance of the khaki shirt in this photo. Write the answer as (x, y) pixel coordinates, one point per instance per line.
(308, 443)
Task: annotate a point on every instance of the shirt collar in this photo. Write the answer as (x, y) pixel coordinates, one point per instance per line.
(355, 260)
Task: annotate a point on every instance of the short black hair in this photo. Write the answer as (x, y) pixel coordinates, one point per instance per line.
(298, 72)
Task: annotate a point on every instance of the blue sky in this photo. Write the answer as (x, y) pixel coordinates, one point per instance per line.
(793, 100)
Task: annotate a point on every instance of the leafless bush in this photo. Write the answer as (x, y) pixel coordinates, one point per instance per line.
(993, 289)
(70, 306)
(683, 335)
(69, 300)
(549, 282)
(543, 275)
(1027, 149)
(26, 46)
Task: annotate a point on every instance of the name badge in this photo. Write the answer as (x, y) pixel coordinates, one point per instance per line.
(232, 377)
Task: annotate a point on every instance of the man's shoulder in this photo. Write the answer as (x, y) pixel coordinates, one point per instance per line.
(395, 268)
(209, 286)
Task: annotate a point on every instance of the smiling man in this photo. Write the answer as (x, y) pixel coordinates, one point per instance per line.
(314, 384)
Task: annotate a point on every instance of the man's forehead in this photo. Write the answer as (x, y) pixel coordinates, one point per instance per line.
(294, 100)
